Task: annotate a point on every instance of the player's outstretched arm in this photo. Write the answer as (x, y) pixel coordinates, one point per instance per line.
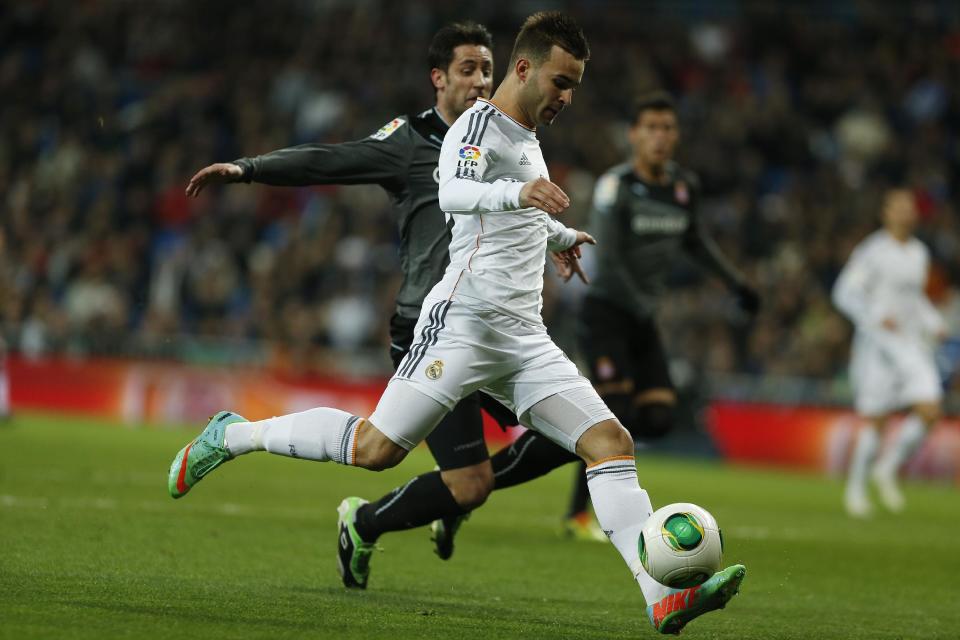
(219, 173)
(382, 158)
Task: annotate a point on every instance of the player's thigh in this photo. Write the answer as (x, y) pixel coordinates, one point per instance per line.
(921, 381)
(874, 380)
(458, 442)
(405, 414)
(564, 417)
(450, 357)
(538, 368)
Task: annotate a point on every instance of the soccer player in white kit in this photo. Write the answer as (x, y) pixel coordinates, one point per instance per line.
(881, 290)
(480, 327)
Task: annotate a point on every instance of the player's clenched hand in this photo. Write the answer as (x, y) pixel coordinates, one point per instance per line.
(544, 195)
(219, 173)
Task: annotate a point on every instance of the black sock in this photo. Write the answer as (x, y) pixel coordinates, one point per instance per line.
(530, 456)
(421, 501)
(580, 498)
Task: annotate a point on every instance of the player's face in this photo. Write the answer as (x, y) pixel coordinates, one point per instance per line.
(550, 86)
(900, 212)
(469, 76)
(654, 136)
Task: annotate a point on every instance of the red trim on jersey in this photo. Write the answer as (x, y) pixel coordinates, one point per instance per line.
(455, 285)
(480, 215)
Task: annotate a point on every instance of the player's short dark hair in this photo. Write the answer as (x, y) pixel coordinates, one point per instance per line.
(658, 100)
(451, 36)
(544, 29)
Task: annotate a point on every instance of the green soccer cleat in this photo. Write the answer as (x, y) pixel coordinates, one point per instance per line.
(673, 612)
(353, 553)
(444, 531)
(200, 457)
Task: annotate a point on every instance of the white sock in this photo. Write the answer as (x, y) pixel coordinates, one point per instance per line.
(863, 454)
(622, 508)
(911, 434)
(320, 434)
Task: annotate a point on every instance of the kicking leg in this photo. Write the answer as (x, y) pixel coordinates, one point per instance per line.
(622, 507)
(648, 415)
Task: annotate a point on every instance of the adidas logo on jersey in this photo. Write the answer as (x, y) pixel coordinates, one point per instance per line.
(524, 161)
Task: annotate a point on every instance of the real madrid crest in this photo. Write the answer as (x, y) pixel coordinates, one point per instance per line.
(434, 369)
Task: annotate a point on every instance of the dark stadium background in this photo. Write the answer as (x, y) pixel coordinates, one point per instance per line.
(795, 115)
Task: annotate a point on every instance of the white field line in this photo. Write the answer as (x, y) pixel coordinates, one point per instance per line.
(231, 509)
(157, 506)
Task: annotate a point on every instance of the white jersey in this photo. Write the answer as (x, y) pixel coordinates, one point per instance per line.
(885, 278)
(889, 370)
(498, 250)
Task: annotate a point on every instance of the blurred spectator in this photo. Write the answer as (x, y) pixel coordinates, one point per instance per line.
(795, 116)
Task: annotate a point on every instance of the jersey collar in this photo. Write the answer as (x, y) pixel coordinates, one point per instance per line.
(507, 115)
(431, 126)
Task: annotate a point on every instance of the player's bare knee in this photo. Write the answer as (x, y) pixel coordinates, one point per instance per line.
(470, 486)
(604, 440)
(376, 451)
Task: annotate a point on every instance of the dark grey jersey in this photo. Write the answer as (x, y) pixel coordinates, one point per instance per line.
(641, 229)
(402, 158)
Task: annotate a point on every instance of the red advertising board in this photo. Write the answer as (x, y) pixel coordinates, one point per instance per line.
(817, 438)
(169, 393)
(166, 393)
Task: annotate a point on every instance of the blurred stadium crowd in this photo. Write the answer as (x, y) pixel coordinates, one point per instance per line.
(794, 116)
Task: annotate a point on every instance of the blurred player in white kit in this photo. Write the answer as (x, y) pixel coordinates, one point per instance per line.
(892, 367)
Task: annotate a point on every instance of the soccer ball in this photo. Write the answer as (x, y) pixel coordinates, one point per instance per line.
(681, 545)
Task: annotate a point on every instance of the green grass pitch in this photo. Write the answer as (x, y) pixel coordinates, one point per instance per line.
(93, 547)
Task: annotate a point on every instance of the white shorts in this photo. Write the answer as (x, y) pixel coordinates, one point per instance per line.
(891, 376)
(459, 350)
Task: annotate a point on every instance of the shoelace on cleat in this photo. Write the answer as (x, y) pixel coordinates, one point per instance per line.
(362, 553)
(208, 462)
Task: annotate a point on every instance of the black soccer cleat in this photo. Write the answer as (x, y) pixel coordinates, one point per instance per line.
(444, 531)
(353, 553)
